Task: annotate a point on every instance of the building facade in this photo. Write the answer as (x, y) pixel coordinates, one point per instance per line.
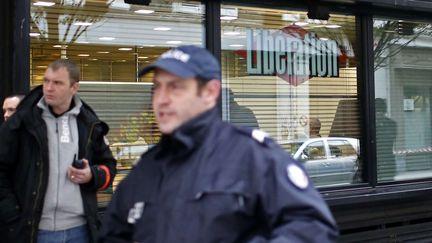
(342, 85)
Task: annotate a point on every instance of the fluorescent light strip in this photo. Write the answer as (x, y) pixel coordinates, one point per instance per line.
(162, 28)
(44, 4)
(231, 33)
(144, 11)
(105, 38)
(83, 23)
(174, 42)
(228, 17)
(333, 26)
(301, 23)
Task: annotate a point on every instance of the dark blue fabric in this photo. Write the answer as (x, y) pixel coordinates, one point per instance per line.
(212, 182)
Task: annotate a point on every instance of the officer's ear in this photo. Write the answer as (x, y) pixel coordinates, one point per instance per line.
(211, 91)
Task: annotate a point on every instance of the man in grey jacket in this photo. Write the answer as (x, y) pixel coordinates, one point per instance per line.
(43, 198)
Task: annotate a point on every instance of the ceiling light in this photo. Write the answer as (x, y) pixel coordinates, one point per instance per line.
(43, 4)
(236, 45)
(228, 17)
(103, 52)
(125, 49)
(143, 57)
(83, 23)
(301, 23)
(174, 42)
(228, 13)
(57, 46)
(162, 28)
(34, 34)
(83, 55)
(333, 26)
(105, 38)
(291, 17)
(231, 33)
(144, 11)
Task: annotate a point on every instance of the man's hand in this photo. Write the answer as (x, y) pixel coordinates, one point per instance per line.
(80, 176)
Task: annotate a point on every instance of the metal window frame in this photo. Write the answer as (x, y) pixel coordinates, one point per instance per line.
(15, 73)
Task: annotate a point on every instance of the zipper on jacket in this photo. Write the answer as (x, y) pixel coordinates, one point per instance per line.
(58, 175)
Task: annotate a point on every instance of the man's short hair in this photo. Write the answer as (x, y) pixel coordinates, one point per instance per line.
(71, 67)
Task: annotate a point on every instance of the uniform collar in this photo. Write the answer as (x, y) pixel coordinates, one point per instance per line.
(191, 134)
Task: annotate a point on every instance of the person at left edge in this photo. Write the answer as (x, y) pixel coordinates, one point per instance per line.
(42, 197)
(10, 105)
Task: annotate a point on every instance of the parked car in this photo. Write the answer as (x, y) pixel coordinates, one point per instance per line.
(328, 160)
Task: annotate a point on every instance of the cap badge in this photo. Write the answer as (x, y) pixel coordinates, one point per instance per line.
(176, 54)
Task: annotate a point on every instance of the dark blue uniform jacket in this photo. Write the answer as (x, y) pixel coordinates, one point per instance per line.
(213, 182)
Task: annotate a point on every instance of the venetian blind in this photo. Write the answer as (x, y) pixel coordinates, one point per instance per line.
(284, 101)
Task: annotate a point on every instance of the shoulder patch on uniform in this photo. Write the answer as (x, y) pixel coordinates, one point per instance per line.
(297, 176)
(259, 135)
(135, 212)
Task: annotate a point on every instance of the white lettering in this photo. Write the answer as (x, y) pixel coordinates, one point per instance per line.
(65, 131)
(251, 56)
(269, 53)
(176, 54)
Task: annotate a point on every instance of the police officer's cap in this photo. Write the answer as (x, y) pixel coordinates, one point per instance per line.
(187, 62)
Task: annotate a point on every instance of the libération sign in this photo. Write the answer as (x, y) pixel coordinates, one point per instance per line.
(291, 54)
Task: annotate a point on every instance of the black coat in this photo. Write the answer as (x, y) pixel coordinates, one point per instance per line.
(24, 169)
(213, 182)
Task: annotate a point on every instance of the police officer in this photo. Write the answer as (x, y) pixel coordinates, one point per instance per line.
(207, 180)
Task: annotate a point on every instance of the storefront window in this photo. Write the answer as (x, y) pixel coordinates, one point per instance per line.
(110, 41)
(403, 51)
(295, 78)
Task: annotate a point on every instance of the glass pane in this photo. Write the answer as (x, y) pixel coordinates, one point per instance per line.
(294, 77)
(110, 41)
(403, 90)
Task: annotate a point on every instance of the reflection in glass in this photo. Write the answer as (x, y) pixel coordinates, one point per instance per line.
(290, 70)
(403, 90)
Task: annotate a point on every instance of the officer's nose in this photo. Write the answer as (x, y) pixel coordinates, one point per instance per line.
(161, 96)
